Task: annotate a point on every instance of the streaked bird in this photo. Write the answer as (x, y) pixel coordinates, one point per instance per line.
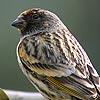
(52, 59)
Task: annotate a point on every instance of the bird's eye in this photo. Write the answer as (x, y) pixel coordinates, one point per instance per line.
(35, 16)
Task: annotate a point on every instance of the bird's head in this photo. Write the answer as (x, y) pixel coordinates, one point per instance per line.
(36, 20)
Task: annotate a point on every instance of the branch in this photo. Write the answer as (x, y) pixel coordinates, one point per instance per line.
(19, 95)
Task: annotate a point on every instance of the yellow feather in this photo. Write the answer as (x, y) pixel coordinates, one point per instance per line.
(67, 89)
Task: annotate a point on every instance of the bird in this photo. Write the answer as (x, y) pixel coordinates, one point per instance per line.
(52, 59)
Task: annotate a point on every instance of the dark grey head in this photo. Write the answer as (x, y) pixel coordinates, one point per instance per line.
(37, 20)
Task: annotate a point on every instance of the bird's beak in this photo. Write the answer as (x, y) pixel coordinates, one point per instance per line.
(19, 23)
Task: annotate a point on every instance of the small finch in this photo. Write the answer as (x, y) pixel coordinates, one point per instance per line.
(53, 60)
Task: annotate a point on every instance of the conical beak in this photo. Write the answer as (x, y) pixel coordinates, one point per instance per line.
(19, 23)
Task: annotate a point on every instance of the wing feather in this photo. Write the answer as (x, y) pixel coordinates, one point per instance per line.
(72, 72)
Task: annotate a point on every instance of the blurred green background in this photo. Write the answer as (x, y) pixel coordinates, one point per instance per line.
(81, 16)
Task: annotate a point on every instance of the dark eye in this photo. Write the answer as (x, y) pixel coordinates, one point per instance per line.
(35, 16)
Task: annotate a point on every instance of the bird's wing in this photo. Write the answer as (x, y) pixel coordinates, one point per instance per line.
(73, 85)
(44, 60)
(77, 67)
(67, 85)
(46, 69)
(81, 88)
